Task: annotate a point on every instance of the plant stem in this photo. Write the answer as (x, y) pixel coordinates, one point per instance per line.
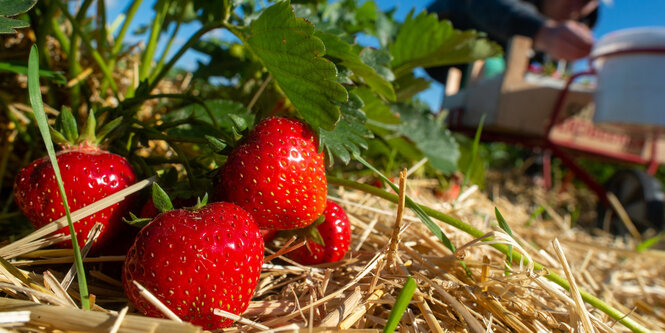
(192, 40)
(101, 25)
(587, 297)
(60, 35)
(101, 62)
(44, 29)
(117, 44)
(74, 44)
(155, 31)
(162, 59)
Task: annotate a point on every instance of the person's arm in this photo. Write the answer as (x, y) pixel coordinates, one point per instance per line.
(504, 19)
(567, 40)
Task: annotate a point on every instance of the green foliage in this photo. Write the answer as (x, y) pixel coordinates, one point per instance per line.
(217, 118)
(13, 8)
(430, 136)
(401, 303)
(649, 243)
(349, 135)
(19, 68)
(409, 85)
(337, 48)
(505, 227)
(288, 48)
(424, 41)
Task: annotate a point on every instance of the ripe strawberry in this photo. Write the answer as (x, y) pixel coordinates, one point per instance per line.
(89, 174)
(336, 235)
(268, 235)
(277, 175)
(195, 261)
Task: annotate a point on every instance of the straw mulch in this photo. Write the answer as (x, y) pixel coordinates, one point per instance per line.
(357, 294)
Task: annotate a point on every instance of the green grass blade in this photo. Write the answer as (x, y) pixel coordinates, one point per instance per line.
(401, 304)
(40, 116)
(647, 244)
(436, 230)
(505, 227)
(474, 151)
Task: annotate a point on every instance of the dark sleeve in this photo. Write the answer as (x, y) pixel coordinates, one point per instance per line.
(503, 19)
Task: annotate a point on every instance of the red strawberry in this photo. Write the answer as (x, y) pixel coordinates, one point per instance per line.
(89, 174)
(336, 235)
(277, 175)
(268, 235)
(195, 261)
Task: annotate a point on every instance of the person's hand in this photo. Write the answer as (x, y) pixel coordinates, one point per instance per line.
(568, 40)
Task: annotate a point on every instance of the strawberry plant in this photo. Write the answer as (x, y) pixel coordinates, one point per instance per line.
(297, 62)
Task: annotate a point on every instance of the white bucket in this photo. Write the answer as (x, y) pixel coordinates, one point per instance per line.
(630, 94)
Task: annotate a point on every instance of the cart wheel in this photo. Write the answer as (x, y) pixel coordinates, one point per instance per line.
(642, 197)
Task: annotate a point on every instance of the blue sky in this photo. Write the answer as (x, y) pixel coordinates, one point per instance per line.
(619, 14)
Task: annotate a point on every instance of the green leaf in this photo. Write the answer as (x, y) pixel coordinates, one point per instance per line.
(160, 198)
(215, 144)
(505, 227)
(287, 47)
(424, 41)
(386, 28)
(224, 116)
(429, 135)
(475, 162)
(337, 48)
(69, 127)
(108, 128)
(348, 137)
(647, 244)
(408, 86)
(379, 60)
(15, 7)
(375, 108)
(22, 68)
(401, 303)
(40, 116)
(8, 25)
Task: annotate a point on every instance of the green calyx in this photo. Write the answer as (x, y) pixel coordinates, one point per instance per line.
(200, 203)
(135, 221)
(310, 232)
(160, 199)
(66, 131)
